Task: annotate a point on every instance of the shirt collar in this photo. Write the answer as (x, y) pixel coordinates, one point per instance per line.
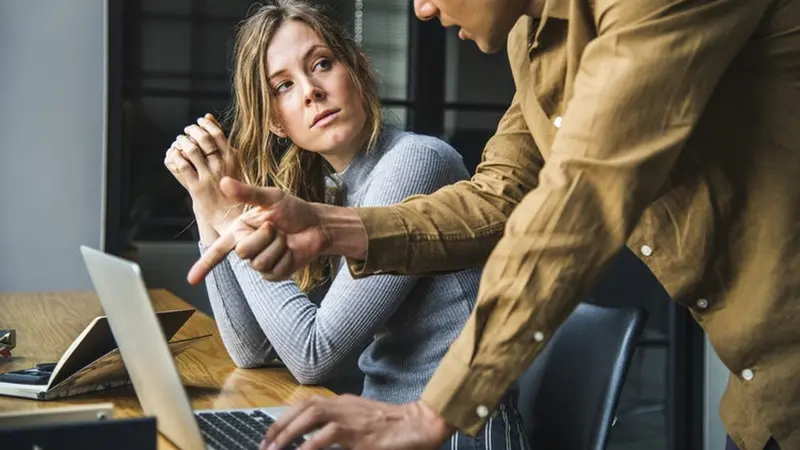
(556, 9)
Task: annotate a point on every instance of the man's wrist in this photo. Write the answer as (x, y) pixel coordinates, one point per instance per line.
(437, 424)
(344, 233)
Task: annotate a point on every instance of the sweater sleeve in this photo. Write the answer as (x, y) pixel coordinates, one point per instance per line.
(311, 340)
(241, 334)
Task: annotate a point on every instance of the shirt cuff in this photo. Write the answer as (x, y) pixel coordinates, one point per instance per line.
(464, 396)
(387, 242)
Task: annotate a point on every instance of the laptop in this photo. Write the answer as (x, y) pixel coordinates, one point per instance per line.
(149, 363)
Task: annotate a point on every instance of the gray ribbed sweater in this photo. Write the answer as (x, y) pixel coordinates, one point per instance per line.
(408, 322)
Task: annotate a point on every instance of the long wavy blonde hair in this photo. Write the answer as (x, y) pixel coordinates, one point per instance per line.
(267, 160)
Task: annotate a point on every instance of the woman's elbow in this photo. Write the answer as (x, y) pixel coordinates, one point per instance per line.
(246, 362)
(310, 377)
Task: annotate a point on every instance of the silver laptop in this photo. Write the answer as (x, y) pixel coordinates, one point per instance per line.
(144, 351)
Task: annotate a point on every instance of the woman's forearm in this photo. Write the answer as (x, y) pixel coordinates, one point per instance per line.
(207, 233)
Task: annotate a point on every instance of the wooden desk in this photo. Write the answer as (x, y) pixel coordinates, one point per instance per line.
(47, 323)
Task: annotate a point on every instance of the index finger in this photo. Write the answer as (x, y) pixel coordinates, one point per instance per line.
(225, 243)
(213, 255)
(214, 129)
(265, 197)
(295, 422)
(211, 117)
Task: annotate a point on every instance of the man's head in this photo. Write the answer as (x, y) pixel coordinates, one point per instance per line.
(487, 22)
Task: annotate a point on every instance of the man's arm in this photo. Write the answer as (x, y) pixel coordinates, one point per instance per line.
(641, 88)
(312, 339)
(457, 226)
(453, 228)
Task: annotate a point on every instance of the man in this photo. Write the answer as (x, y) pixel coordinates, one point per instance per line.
(671, 126)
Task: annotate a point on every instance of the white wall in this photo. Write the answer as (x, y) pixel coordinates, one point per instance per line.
(52, 141)
(716, 379)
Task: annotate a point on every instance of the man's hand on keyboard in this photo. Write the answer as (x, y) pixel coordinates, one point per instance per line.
(359, 424)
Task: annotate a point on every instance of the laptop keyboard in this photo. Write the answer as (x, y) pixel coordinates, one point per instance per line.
(235, 430)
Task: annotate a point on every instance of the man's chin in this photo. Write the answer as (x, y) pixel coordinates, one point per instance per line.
(489, 49)
(489, 46)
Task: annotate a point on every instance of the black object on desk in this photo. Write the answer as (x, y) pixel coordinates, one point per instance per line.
(8, 340)
(123, 434)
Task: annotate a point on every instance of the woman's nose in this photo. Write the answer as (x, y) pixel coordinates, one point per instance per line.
(315, 94)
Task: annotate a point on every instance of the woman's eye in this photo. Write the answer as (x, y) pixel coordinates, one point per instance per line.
(283, 86)
(323, 64)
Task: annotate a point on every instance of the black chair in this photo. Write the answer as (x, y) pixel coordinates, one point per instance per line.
(568, 396)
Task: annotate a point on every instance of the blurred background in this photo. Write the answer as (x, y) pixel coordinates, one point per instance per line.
(94, 92)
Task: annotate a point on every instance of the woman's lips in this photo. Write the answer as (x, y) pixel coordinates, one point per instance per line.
(325, 118)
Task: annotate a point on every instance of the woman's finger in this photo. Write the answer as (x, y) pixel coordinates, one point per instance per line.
(168, 160)
(211, 117)
(185, 170)
(202, 138)
(214, 129)
(194, 154)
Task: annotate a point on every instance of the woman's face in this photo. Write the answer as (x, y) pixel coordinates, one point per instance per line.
(316, 103)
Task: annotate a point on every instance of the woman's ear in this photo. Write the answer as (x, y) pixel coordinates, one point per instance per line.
(278, 130)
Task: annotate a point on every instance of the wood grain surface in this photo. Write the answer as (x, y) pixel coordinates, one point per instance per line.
(47, 323)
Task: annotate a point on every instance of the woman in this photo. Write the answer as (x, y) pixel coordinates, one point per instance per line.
(307, 118)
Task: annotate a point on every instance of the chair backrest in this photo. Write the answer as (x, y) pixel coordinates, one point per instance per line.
(568, 396)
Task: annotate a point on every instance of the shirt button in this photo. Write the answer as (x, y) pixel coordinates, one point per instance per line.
(538, 336)
(702, 303)
(747, 374)
(482, 411)
(646, 250)
(557, 121)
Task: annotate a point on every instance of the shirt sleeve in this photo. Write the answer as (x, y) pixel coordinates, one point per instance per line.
(641, 87)
(313, 339)
(243, 339)
(457, 226)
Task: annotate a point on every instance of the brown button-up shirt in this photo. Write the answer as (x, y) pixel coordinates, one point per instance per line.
(672, 126)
